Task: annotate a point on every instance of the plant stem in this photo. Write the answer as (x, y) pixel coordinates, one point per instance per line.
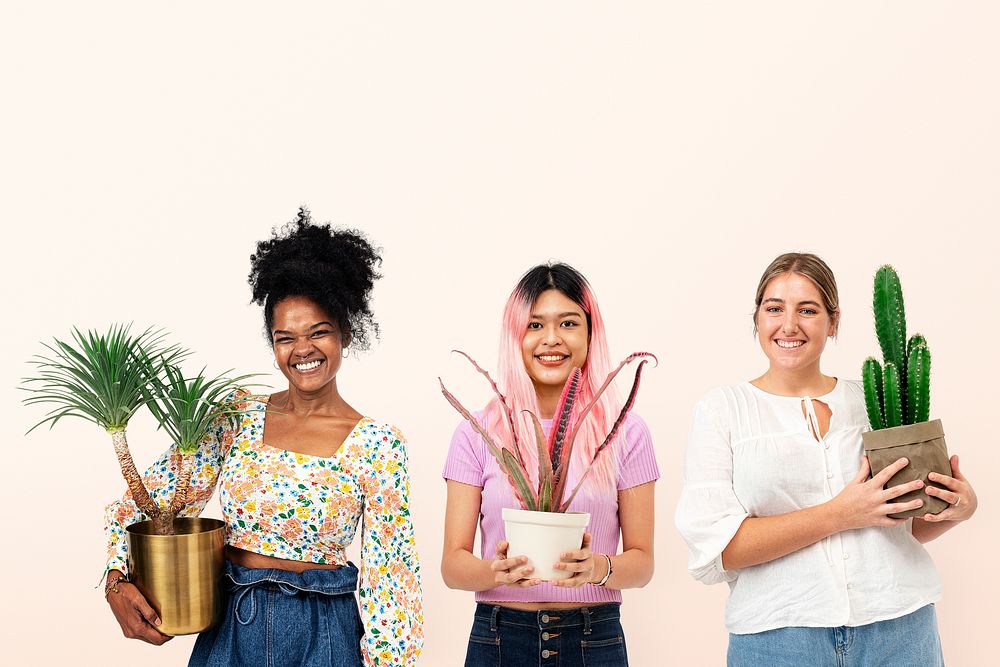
(183, 484)
(132, 477)
(163, 523)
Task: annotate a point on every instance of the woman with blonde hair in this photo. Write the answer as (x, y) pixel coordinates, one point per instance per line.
(551, 325)
(777, 501)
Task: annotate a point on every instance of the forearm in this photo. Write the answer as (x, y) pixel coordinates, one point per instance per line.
(632, 568)
(925, 531)
(465, 571)
(763, 539)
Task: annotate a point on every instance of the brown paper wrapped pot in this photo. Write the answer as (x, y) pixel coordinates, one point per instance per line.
(923, 445)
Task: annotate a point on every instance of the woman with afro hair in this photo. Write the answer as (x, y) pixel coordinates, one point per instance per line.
(296, 475)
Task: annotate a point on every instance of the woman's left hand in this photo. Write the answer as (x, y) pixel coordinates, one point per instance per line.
(958, 493)
(580, 562)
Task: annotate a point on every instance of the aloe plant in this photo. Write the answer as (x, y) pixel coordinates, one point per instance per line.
(555, 451)
(106, 378)
(897, 393)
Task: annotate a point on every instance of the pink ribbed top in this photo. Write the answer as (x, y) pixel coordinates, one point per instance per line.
(470, 462)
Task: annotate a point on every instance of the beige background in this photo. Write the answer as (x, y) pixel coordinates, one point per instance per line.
(668, 150)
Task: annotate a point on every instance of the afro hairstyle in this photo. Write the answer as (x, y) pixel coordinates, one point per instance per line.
(335, 268)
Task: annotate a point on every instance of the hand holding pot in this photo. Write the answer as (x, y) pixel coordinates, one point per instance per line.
(864, 502)
(958, 493)
(579, 562)
(137, 619)
(511, 571)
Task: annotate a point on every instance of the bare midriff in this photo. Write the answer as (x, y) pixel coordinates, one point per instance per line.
(250, 559)
(538, 606)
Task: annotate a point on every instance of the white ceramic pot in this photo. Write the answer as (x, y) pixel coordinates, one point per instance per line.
(543, 537)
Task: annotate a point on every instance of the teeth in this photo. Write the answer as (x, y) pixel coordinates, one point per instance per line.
(789, 343)
(551, 357)
(307, 367)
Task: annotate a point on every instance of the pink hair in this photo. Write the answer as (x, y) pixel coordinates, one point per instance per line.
(516, 385)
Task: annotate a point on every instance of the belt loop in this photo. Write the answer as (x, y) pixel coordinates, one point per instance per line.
(493, 618)
(586, 620)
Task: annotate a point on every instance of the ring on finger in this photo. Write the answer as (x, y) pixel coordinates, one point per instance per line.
(959, 501)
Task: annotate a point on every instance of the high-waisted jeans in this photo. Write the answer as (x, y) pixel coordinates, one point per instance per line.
(586, 636)
(275, 618)
(907, 641)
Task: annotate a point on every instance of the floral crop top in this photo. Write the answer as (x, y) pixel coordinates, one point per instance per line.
(294, 506)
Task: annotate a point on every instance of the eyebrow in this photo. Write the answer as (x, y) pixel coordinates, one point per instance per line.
(801, 303)
(318, 324)
(571, 313)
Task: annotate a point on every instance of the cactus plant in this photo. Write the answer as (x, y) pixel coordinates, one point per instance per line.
(899, 392)
(554, 452)
(892, 395)
(918, 373)
(871, 378)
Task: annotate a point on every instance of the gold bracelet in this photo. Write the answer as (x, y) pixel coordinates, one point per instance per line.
(113, 585)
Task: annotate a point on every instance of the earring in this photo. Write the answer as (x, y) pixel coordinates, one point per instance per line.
(345, 352)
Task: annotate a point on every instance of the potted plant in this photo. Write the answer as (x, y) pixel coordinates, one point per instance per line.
(544, 527)
(105, 379)
(897, 399)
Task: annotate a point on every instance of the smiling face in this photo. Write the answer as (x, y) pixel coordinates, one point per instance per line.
(793, 323)
(555, 341)
(307, 344)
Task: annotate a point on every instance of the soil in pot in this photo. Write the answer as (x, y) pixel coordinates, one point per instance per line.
(924, 446)
(543, 537)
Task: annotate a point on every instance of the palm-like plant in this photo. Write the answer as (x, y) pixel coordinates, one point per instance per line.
(102, 378)
(554, 452)
(106, 377)
(186, 408)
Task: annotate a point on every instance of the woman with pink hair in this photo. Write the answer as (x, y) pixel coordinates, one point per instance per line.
(551, 325)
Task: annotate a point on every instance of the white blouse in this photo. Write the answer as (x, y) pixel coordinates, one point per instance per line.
(751, 453)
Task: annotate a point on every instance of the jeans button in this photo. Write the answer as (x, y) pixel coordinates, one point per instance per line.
(546, 653)
(545, 619)
(545, 636)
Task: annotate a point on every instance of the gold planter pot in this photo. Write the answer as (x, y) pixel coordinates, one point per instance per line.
(179, 574)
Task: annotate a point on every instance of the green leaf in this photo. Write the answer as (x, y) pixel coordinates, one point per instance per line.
(96, 376)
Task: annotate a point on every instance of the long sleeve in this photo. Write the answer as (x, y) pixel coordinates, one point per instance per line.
(709, 513)
(389, 594)
(160, 480)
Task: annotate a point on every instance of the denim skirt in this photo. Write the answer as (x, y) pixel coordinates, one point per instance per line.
(274, 618)
(586, 636)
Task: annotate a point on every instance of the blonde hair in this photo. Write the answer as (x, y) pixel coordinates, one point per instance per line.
(807, 265)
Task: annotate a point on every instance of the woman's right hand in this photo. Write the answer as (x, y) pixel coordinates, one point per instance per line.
(864, 502)
(137, 619)
(511, 571)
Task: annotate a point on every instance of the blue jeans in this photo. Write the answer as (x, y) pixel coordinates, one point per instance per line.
(275, 617)
(583, 637)
(907, 641)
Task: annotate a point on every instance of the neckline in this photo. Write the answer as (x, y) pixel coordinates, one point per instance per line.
(836, 388)
(260, 439)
